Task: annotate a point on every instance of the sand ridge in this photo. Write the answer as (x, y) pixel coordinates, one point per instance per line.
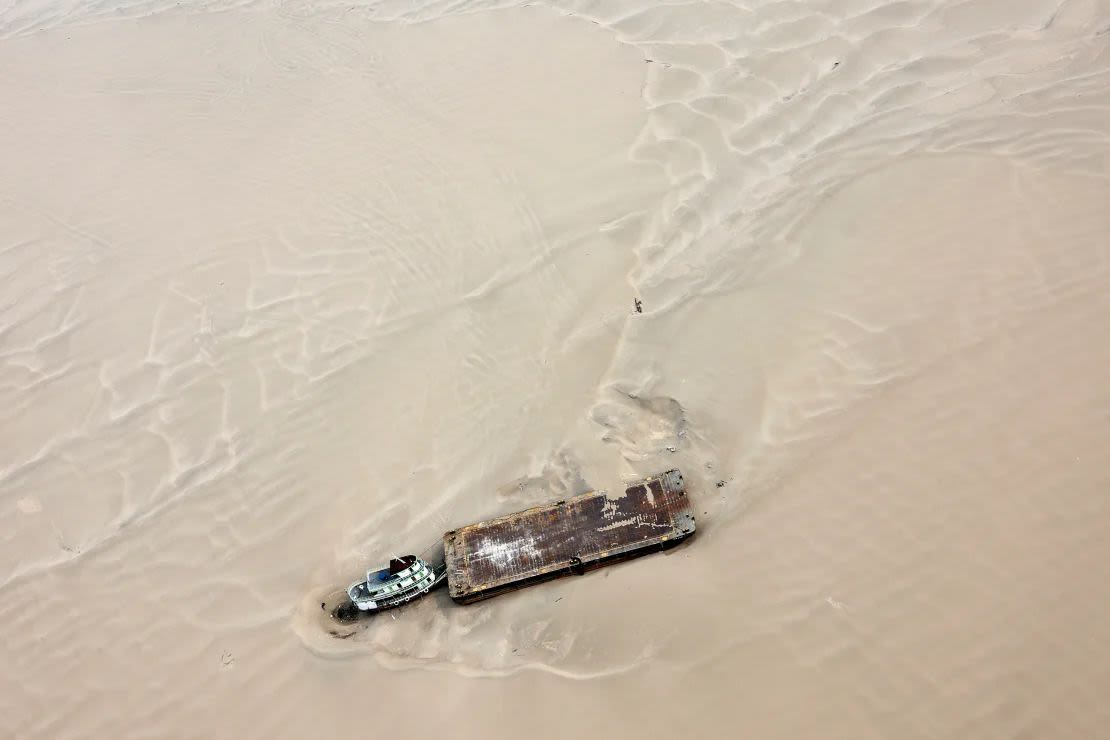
(293, 287)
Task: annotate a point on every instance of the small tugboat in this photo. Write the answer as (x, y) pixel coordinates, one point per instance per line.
(404, 580)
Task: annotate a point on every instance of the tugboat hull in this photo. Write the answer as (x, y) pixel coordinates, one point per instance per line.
(405, 580)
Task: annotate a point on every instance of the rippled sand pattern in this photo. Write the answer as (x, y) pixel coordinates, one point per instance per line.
(288, 288)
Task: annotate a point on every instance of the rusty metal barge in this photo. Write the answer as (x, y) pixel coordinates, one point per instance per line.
(567, 537)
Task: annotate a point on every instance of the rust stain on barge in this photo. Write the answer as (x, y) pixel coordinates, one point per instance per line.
(571, 536)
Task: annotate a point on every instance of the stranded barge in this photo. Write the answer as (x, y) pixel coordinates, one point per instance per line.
(572, 536)
(517, 550)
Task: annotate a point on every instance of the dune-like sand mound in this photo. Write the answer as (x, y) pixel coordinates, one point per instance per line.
(289, 288)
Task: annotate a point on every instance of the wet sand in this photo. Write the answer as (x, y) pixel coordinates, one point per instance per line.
(289, 289)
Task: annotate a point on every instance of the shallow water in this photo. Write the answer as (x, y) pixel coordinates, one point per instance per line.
(294, 287)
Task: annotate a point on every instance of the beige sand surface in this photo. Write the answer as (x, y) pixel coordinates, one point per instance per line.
(288, 287)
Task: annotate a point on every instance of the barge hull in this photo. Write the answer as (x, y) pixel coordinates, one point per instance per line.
(567, 537)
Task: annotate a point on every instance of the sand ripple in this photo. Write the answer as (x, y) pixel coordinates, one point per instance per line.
(289, 288)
